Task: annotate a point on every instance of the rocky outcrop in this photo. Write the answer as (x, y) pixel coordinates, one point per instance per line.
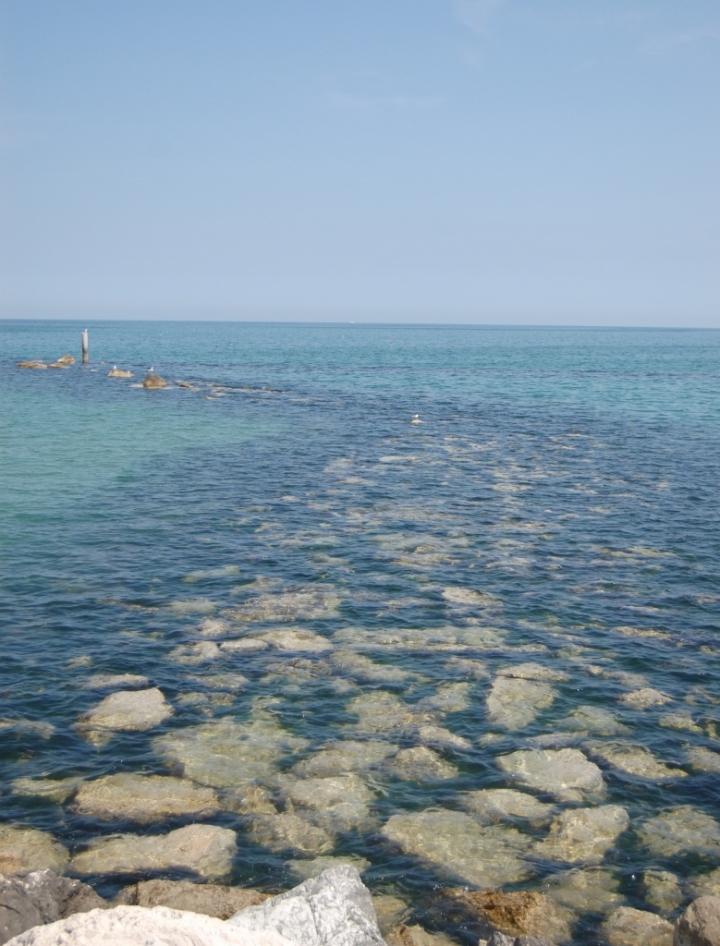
(208, 899)
(153, 380)
(120, 373)
(700, 924)
(333, 909)
(40, 897)
(32, 364)
(136, 926)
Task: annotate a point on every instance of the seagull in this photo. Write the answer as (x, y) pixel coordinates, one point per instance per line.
(152, 370)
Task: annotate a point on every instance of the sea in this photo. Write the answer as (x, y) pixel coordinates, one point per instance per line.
(449, 552)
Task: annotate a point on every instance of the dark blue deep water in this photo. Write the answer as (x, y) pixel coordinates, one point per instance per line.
(556, 506)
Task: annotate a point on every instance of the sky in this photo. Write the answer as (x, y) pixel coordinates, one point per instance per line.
(458, 161)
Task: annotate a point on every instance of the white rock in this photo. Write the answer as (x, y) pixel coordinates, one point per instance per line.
(493, 805)
(29, 849)
(565, 773)
(334, 909)
(344, 757)
(362, 668)
(290, 606)
(112, 681)
(131, 710)
(383, 712)
(144, 798)
(245, 645)
(460, 847)
(138, 926)
(439, 737)
(200, 848)
(645, 697)
(593, 719)
(193, 654)
(467, 597)
(704, 760)
(583, 835)
(532, 671)
(514, 703)
(296, 642)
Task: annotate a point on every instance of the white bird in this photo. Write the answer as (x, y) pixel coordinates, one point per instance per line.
(152, 370)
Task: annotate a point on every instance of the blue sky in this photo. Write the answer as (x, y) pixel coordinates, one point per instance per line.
(502, 161)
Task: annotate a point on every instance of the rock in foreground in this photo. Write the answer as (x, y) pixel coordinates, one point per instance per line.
(136, 926)
(29, 849)
(630, 927)
(334, 909)
(208, 899)
(40, 897)
(700, 924)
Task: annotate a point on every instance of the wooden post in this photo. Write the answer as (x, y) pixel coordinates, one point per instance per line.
(85, 347)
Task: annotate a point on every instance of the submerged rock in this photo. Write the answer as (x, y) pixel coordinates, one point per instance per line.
(704, 760)
(645, 697)
(595, 720)
(583, 835)
(590, 890)
(494, 805)
(144, 798)
(296, 642)
(565, 773)
(193, 654)
(228, 754)
(467, 597)
(635, 760)
(362, 668)
(333, 909)
(518, 913)
(40, 897)
(533, 671)
(662, 890)
(111, 681)
(404, 935)
(380, 711)
(449, 698)
(288, 832)
(456, 844)
(389, 910)
(57, 790)
(131, 710)
(514, 703)
(339, 803)
(245, 645)
(681, 829)
(290, 606)
(29, 849)
(200, 848)
(31, 364)
(421, 764)
(344, 757)
(629, 927)
(700, 924)
(440, 738)
(136, 926)
(208, 899)
(706, 885)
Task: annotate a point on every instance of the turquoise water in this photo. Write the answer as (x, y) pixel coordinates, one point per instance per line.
(569, 475)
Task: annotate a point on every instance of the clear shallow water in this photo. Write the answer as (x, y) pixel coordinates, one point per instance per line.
(569, 474)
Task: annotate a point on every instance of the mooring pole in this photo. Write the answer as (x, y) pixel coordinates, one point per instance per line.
(85, 347)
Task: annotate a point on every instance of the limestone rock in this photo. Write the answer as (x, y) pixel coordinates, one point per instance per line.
(136, 926)
(57, 790)
(421, 764)
(333, 909)
(706, 885)
(339, 803)
(456, 844)
(583, 835)
(131, 710)
(296, 642)
(565, 773)
(245, 645)
(700, 924)
(383, 712)
(516, 913)
(629, 927)
(193, 654)
(467, 597)
(533, 671)
(645, 697)
(589, 890)
(342, 758)
(29, 849)
(440, 738)
(514, 703)
(704, 760)
(66, 360)
(31, 364)
(28, 900)
(594, 720)
(153, 380)
(120, 373)
(635, 760)
(288, 832)
(208, 899)
(229, 754)
(202, 849)
(449, 698)
(662, 890)
(494, 805)
(681, 829)
(417, 936)
(362, 668)
(144, 798)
